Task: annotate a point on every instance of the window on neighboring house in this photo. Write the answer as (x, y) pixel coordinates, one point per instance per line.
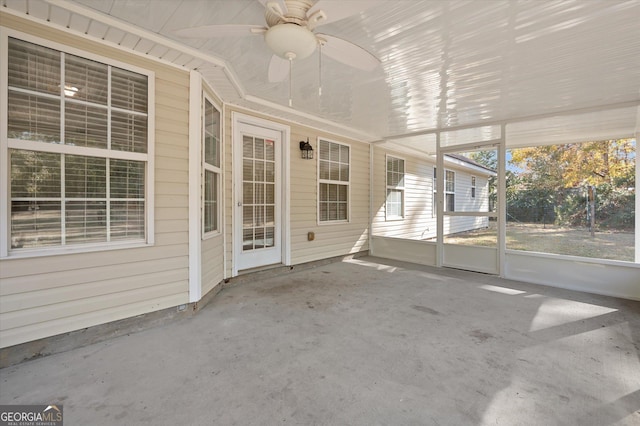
(211, 167)
(395, 188)
(333, 182)
(77, 142)
(473, 187)
(450, 191)
(434, 202)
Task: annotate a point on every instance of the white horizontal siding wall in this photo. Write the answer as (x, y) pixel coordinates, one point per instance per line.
(49, 295)
(330, 240)
(419, 222)
(212, 263)
(464, 203)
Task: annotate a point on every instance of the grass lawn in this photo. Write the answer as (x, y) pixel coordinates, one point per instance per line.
(554, 239)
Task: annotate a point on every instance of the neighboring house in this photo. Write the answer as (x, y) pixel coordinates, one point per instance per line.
(407, 209)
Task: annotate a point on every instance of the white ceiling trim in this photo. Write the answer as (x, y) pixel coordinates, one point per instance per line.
(112, 22)
(67, 30)
(598, 108)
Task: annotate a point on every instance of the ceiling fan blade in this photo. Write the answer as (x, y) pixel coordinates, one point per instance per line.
(207, 31)
(278, 69)
(339, 9)
(348, 53)
(280, 3)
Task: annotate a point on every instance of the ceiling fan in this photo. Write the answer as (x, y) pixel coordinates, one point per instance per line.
(290, 33)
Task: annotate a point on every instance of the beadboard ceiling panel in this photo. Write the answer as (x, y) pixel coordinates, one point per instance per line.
(444, 64)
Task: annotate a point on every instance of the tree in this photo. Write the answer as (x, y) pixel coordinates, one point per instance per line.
(577, 164)
(561, 173)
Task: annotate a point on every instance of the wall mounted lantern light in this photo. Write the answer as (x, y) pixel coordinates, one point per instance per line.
(306, 150)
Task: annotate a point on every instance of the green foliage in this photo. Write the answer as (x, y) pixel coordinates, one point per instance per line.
(615, 207)
(551, 181)
(573, 210)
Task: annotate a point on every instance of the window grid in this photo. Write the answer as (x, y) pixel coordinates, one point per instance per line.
(473, 187)
(74, 96)
(395, 188)
(258, 193)
(333, 181)
(450, 191)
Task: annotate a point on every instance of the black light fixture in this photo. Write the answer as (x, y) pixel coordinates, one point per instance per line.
(306, 150)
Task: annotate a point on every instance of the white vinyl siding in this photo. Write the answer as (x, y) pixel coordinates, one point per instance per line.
(333, 181)
(331, 238)
(394, 207)
(78, 141)
(464, 191)
(47, 295)
(420, 222)
(211, 167)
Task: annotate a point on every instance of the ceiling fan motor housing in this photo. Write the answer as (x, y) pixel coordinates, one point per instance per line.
(291, 41)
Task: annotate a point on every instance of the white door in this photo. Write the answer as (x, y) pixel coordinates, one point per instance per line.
(470, 223)
(258, 191)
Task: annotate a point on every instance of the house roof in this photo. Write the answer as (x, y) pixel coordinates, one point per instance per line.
(444, 64)
(471, 162)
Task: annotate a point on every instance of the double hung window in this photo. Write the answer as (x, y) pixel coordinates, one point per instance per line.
(211, 167)
(395, 188)
(333, 183)
(450, 191)
(77, 147)
(473, 187)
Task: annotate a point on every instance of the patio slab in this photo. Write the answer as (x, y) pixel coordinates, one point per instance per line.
(361, 342)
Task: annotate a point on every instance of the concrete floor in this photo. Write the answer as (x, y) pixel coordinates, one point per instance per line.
(361, 342)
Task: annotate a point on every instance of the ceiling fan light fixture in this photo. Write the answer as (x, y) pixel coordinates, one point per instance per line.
(291, 41)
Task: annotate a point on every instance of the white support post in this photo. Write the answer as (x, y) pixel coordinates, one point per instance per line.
(439, 203)
(371, 192)
(637, 230)
(502, 201)
(195, 167)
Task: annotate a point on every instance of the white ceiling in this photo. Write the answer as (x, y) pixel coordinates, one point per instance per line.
(443, 63)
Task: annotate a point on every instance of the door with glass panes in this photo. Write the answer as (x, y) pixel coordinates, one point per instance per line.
(257, 216)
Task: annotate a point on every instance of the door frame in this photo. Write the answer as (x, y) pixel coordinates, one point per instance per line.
(237, 120)
(493, 255)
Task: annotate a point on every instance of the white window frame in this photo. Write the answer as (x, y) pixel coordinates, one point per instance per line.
(446, 192)
(6, 145)
(473, 186)
(336, 182)
(206, 167)
(398, 188)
